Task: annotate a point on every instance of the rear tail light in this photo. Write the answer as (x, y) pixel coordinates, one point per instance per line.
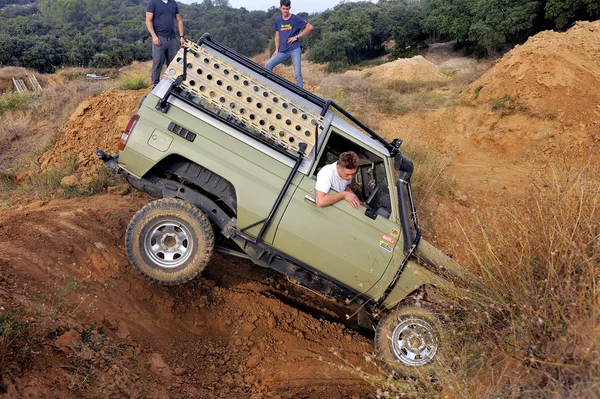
(127, 131)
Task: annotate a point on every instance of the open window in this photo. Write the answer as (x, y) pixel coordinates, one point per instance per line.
(370, 183)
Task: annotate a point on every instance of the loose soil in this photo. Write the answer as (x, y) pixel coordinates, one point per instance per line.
(227, 334)
(240, 331)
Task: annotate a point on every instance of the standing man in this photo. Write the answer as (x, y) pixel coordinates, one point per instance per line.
(337, 176)
(289, 29)
(160, 21)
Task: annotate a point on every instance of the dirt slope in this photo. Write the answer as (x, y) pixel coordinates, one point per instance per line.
(96, 124)
(227, 334)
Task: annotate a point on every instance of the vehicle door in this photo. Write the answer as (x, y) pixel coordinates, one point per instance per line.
(338, 240)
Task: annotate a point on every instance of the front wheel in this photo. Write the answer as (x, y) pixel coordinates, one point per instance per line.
(169, 241)
(409, 340)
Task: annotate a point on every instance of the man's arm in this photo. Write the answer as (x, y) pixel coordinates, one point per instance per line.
(149, 18)
(276, 43)
(307, 29)
(322, 199)
(180, 28)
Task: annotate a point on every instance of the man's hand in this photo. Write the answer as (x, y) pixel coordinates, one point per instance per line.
(156, 40)
(352, 199)
(275, 53)
(182, 40)
(292, 39)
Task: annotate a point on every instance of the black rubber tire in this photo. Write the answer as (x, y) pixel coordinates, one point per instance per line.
(422, 328)
(169, 228)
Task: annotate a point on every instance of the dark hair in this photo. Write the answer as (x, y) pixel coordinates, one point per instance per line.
(285, 3)
(348, 159)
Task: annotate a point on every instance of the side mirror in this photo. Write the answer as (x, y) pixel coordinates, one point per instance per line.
(371, 212)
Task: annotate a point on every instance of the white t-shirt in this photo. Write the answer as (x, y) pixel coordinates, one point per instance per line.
(328, 178)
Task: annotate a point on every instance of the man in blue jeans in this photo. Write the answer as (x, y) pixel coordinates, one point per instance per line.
(160, 21)
(289, 29)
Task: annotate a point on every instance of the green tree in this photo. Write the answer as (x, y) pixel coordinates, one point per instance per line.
(564, 12)
(100, 60)
(402, 22)
(44, 56)
(497, 22)
(332, 48)
(348, 35)
(81, 49)
(12, 49)
(449, 18)
(62, 10)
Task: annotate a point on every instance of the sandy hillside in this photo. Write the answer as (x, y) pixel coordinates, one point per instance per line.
(539, 102)
(555, 74)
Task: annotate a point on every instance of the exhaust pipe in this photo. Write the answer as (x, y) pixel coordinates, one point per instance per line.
(109, 160)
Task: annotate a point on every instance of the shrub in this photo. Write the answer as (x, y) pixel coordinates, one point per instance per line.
(14, 101)
(134, 82)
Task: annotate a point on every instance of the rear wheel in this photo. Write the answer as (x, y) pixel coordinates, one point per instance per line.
(169, 241)
(409, 340)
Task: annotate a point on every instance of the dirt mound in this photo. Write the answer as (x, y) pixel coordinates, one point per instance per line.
(415, 69)
(226, 334)
(540, 103)
(553, 74)
(96, 124)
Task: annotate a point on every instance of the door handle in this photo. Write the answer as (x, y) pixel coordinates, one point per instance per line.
(311, 199)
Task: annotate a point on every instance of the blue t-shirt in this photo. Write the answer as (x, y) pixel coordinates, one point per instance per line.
(287, 29)
(164, 17)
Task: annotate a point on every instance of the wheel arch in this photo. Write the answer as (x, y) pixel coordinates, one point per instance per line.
(198, 178)
(414, 279)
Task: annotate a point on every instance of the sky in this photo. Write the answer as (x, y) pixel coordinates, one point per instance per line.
(298, 6)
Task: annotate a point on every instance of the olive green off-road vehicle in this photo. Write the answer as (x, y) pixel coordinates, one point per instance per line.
(231, 152)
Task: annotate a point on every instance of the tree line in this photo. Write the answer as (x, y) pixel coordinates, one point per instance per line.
(46, 34)
(353, 32)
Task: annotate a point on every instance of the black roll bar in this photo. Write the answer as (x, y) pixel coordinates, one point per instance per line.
(267, 221)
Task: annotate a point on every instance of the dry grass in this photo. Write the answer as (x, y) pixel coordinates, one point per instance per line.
(371, 101)
(541, 265)
(9, 72)
(531, 327)
(13, 127)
